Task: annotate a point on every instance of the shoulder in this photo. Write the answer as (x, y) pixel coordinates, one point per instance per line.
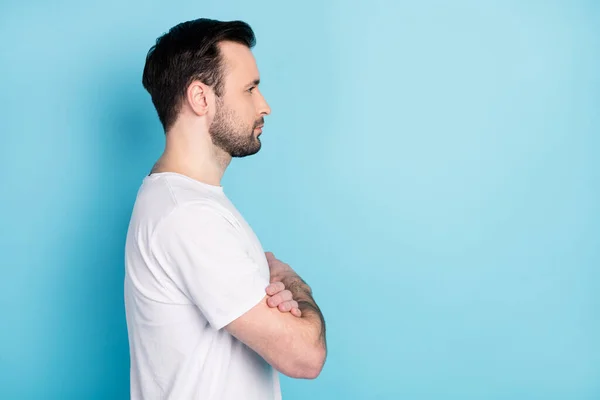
(197, 216)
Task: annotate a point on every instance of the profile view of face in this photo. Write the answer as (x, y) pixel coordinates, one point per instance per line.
(240, 111)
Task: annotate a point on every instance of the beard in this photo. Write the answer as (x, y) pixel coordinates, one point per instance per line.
(230, 134)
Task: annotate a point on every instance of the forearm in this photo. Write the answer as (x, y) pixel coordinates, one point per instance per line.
(311, 312)
(304, 339)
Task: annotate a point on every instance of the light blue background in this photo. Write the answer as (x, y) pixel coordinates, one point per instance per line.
(430, 168)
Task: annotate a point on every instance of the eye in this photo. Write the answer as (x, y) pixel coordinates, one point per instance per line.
(251, 89)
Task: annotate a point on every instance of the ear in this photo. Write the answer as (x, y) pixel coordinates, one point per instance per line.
(197, 97)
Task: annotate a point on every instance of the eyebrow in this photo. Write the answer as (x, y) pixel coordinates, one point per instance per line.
(255, 82)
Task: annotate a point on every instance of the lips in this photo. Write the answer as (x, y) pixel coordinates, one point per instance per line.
(261, 123)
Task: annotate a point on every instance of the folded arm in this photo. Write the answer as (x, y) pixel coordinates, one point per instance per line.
(294, 346)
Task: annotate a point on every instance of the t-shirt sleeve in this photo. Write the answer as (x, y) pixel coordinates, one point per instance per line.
(203, 253)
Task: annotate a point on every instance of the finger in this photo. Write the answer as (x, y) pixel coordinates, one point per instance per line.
(275, 288)
(288, 305)
(269, 255)
(296, 312)
(279, 298)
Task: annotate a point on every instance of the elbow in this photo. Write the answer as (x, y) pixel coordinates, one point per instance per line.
(317, 363)
(310, 366)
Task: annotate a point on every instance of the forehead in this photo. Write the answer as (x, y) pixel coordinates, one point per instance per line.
(239, 62)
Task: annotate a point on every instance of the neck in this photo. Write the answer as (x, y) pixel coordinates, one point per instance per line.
(192, 153)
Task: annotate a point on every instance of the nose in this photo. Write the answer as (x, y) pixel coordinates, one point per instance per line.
(263, 108)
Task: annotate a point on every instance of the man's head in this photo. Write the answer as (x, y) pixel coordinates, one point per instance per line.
(203, 72)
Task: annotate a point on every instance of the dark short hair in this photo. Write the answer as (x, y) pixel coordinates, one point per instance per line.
(189, 51)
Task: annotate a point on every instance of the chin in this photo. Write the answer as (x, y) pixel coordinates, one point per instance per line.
(247, 152)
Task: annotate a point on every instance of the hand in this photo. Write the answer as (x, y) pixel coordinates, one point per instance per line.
(282, 299)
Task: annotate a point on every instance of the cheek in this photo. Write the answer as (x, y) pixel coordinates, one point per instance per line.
(246, 110)
(251, 110)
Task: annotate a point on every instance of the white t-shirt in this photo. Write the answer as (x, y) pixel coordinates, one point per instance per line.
(192, 266)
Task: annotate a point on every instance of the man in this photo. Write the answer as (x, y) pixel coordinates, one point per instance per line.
(210, 315)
